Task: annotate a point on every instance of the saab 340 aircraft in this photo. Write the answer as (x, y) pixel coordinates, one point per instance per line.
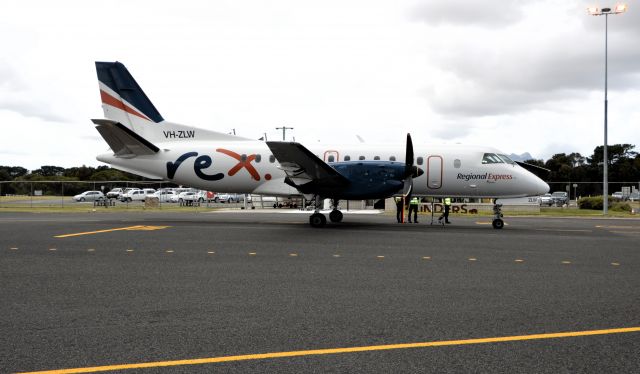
(144, 143)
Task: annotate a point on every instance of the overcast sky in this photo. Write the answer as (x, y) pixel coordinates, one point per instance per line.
(521, 76)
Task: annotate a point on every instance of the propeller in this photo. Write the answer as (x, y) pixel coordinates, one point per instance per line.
(409, 170)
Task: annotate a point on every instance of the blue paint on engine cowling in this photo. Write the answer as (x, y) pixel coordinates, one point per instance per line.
(368, 179)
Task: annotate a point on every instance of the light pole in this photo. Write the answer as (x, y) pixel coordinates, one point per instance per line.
(284, 129)
(621, 8)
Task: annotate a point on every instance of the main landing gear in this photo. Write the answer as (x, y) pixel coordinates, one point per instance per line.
(497, 223)
(318, 219)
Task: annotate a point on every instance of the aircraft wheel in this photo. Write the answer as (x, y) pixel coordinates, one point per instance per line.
(497, 223)
(335, 216)
(317, 220)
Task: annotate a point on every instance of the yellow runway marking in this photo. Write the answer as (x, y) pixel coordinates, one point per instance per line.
(210, 252)
(473, 259)
(426, 258)
(52, 249)
(519, 260)
(91, 250)
(169, 251)
(379, 256)
(336, 255)
(293, 254)
(566, 262)
(252, 253)
(14, 248)
(129, 250)
(129, 228)
(332, 351)
(615, 264)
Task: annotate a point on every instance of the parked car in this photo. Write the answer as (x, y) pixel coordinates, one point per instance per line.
(618, 196)
(230, 198)
(164, 196)
(183, 197)
(115, 193)
(126, 191)
(89, 196)
(138, 195)
(560, 198)
(546, 199)
(634, 196)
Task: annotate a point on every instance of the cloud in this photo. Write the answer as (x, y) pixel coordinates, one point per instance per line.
(464, 12)
(17, 96)
(481, 71)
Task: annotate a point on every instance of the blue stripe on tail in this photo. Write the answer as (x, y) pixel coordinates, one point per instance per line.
(116, 76)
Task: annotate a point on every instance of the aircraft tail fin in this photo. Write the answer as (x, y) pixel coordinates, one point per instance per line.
(124, 102)
(122, 98)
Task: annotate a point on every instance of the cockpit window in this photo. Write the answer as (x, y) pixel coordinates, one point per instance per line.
(491, 158)
(506, 159)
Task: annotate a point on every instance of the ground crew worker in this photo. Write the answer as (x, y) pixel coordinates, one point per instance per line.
(445, 214)
(413, 207)
(399, 208)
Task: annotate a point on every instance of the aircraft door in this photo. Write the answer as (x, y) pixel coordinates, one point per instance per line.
(331, 156)
(434, 172)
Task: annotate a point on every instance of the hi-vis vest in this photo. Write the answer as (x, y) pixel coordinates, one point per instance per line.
(414, 201)
(447, 201)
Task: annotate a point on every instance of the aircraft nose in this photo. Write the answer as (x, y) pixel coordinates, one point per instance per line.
(541, 187)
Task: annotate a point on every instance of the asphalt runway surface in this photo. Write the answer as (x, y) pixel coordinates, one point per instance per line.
(131, 288)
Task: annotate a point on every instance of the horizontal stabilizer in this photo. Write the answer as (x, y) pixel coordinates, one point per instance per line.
(123, 142)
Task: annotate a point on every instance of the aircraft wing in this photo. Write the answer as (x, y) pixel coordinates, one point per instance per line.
(305, 170)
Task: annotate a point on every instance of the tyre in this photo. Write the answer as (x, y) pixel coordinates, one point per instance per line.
(497, 223)
(82, 199)
(335, 216)
(317, 220)
(200, 200)
(230, 201)
(216, 200)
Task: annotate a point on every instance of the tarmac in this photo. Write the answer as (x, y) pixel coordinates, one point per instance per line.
(240, 292)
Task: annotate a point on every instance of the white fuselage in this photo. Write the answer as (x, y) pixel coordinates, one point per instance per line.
(455, 171)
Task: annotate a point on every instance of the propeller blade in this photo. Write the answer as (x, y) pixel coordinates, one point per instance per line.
(408, 187)
(408, 171)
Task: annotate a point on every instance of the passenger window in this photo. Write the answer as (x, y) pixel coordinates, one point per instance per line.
(392, 158)
(361, 158)
(420, 160)
(258, 158)
(347, 158)
(491, 158)
(456, 163)
(331, 158)
(376, 158)
(272, 159)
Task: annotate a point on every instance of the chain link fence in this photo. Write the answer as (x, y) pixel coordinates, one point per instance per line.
(59, 194)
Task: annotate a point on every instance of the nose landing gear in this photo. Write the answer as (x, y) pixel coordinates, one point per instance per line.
(497, 223)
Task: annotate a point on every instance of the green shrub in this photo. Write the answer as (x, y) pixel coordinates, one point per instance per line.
(595, 203)
(620, 207)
